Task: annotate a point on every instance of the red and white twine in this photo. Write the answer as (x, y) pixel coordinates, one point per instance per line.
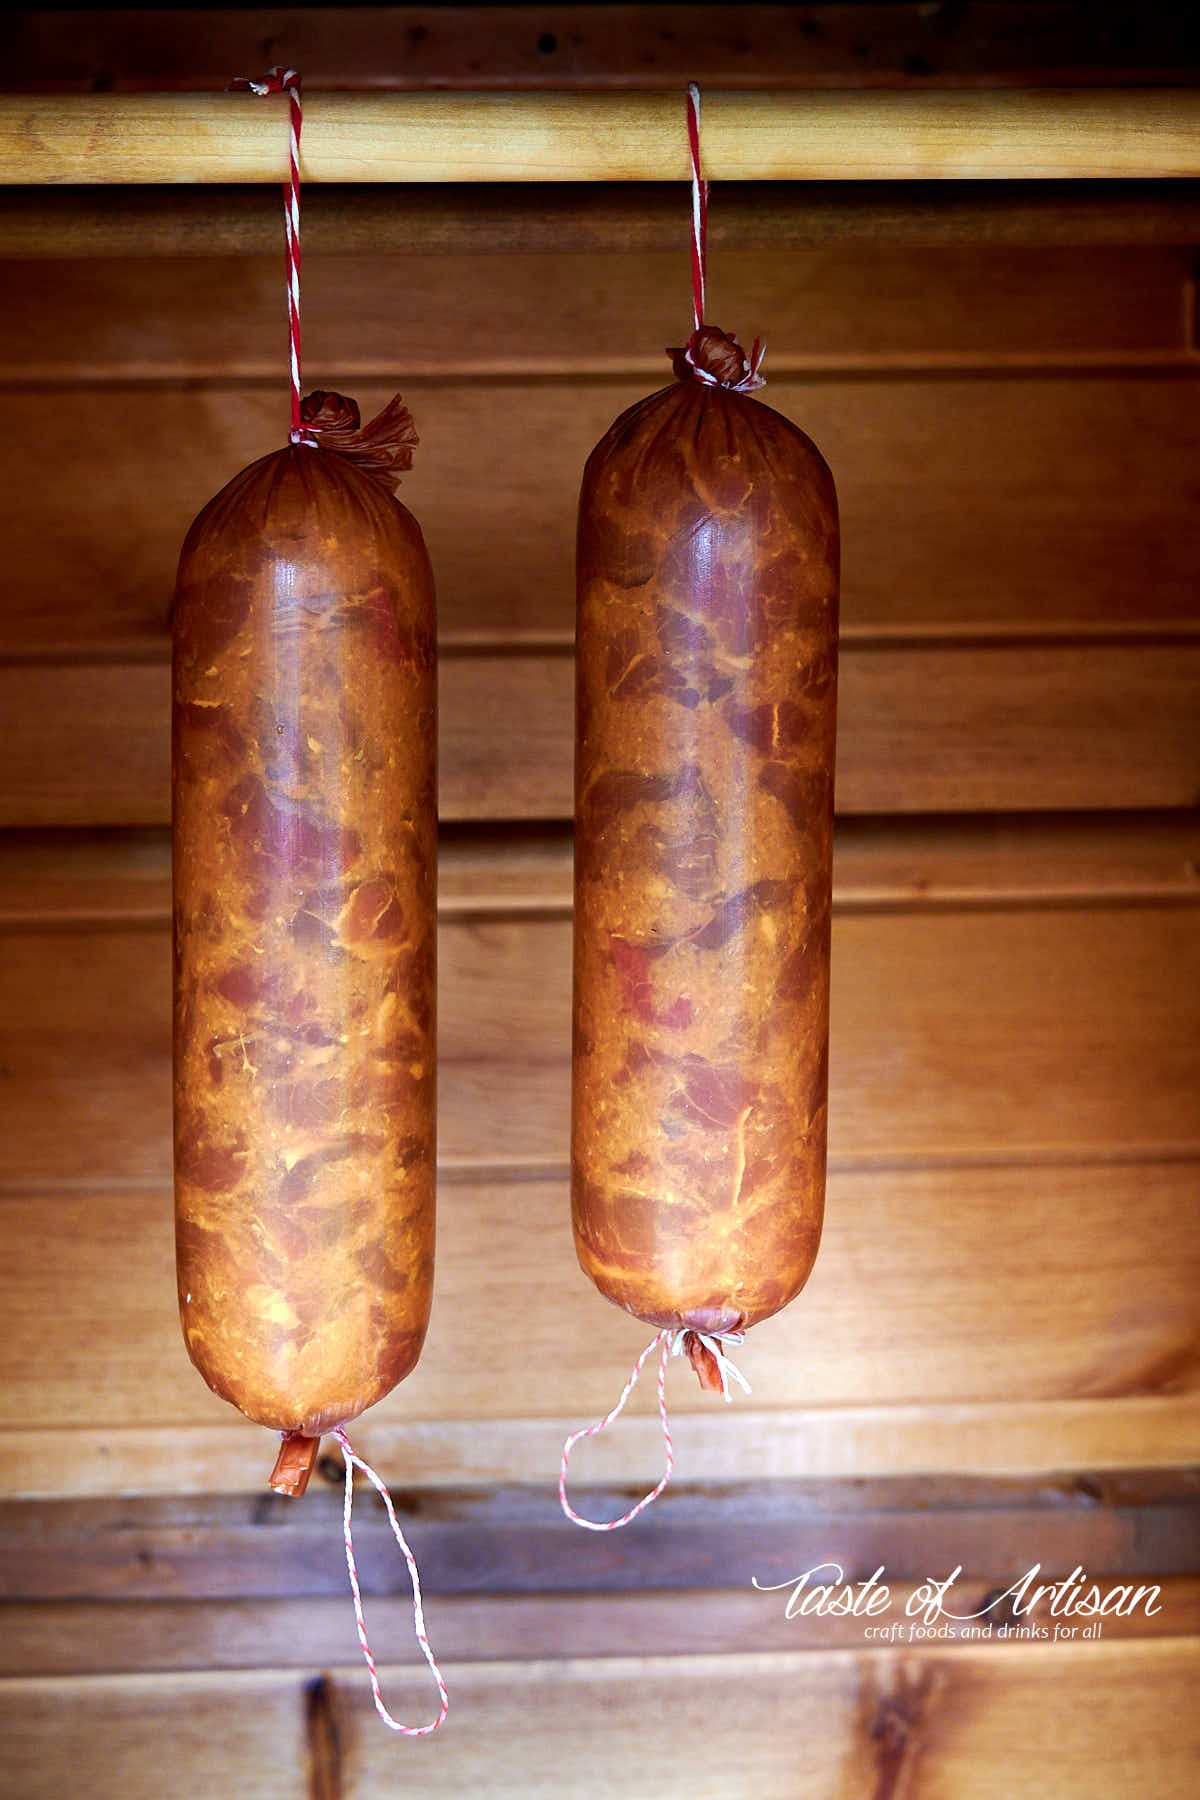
(287, 81)
(670, 1342)
(751, 378)
(699, 207)
(354, 1461)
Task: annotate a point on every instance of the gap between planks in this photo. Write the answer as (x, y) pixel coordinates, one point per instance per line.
(514, 1540)
(534, 372)
(166, 1636)
(61, 879)
(415, 220)
(988, 1438)
(469, 1171)
(627, 1669)
(504, 373)
(466, 643)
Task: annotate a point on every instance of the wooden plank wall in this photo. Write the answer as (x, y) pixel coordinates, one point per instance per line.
(996, 1361)
(858, 45)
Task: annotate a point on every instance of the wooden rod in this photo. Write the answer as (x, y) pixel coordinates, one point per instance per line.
(436, 137)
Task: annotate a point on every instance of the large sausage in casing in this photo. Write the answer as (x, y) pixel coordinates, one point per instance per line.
(706, 680)
(305, 871)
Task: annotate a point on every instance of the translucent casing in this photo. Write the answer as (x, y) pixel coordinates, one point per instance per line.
(305, 845)
(706, 686)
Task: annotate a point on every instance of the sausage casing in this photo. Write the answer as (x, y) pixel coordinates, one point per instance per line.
(706, 684)
(305, 844)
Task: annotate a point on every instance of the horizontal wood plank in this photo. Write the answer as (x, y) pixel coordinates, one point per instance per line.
(945, 728)
(412, 219)
(1038, 860)
(1007, 1035)
(708, 1727)
(50, 878)
(464, 315)
(971, 504)
(231, 1734)
(1021, 1438)
(514, 135)
(1010, 1034)
(84, 877)
(1139, 1528)
(64, 1637)
(597, 46)
(1058, 1305)
(1001, 728)
(978, 506)
(86, 744)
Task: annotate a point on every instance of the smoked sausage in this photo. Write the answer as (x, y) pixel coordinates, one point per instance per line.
(706, 657)
(305, 844)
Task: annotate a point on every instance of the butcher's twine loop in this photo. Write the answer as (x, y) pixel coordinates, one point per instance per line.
(287, 81)
(699, 207)
(669, 1342)
(751, 378)
(354, 1461)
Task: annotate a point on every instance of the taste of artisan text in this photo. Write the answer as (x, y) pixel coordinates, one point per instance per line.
(824, 1592)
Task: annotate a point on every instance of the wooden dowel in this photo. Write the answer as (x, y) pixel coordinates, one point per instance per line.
(435, 137)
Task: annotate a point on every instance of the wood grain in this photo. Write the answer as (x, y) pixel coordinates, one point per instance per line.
(1048, 726)
(1038, 859)
(709, 1727)
(976, 506)
(517, 135)
(1139, 1528)
(599, 46)
(81, 1637)
(86, 744)
(1009, 1277)
(84, 877)
(975, 1289)
(463, 315)
(226, 1734)
(415, 220)
(1022, 1438)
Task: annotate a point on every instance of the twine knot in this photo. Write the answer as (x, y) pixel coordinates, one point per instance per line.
(712, 357)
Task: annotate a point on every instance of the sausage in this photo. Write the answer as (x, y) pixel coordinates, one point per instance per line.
(305, 845)
(706, 658)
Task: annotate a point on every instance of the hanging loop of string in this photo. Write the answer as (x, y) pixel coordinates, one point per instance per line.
(663, 1342)
(669, 1342)
(354, 1461)
(749, 377)
(287, 81)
